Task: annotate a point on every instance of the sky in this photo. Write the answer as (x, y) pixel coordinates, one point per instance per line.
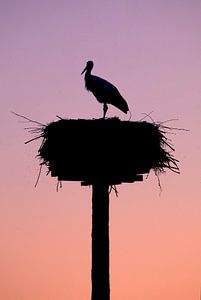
(151, 50)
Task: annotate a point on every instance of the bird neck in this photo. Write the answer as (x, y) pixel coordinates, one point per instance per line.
(87, 74)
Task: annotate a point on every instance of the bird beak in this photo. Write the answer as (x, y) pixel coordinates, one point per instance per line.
(84, 70)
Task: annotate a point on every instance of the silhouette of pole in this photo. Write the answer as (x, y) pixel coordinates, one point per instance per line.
(102, 153)
(100, 242)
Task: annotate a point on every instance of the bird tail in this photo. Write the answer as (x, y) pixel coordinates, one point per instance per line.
(121, 104)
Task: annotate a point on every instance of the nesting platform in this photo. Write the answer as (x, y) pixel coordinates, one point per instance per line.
(104, 150)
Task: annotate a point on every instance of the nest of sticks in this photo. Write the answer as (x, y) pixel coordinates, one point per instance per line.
(107, 150)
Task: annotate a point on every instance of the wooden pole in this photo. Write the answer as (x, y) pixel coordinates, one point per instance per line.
(100, 242)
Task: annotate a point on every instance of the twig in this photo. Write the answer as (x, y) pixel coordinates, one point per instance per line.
(146, 116)
(59, 185)
(113, 187)
(37, 137)
(30, 120)
(59, 117)
(39, 173)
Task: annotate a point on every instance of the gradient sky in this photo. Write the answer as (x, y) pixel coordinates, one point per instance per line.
(151, 50)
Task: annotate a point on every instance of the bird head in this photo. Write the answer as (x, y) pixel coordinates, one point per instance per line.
(89, 67)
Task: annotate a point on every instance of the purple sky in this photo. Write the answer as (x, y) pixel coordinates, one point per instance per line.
(151, 50)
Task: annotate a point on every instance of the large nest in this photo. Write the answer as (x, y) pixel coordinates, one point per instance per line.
(105, 150)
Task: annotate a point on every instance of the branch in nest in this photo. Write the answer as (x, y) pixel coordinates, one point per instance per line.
(32, 129)
(27, 119)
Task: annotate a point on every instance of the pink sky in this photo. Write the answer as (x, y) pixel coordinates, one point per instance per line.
(151, 50)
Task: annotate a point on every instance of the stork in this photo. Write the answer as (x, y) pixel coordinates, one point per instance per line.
(104, 91)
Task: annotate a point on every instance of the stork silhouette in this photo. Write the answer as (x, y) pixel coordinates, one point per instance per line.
(104, 91)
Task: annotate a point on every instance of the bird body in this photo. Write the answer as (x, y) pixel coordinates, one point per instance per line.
(104, 91)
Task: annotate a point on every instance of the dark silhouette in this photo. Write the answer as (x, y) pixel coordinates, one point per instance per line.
(100, 242)
(102, 153)
(105, 150)
(104, 91)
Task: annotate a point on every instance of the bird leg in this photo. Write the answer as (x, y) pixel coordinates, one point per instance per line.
(105, 108)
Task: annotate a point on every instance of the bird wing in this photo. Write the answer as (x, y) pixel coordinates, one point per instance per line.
(101, 85)
(106, 92)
